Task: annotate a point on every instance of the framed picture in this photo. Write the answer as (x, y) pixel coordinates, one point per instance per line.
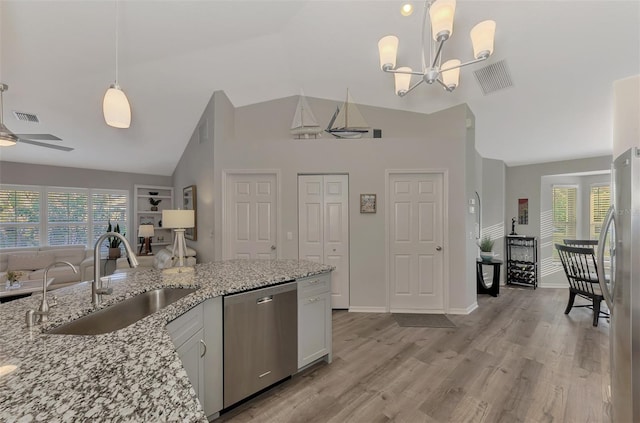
(367, 203)
(189, 202)
(523, 211)
(147, 220)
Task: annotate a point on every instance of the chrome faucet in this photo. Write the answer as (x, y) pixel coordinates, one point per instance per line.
(96, 287)
(43, 311)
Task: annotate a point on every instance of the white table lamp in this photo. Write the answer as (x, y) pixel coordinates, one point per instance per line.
(146, 232)
(178, 220)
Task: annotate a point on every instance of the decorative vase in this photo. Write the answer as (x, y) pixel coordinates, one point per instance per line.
(486, 256)
(154, 208)
(114, 253)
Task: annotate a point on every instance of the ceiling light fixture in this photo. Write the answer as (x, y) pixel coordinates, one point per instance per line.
(115, 106)
(441, 14)
(406, 9)
(7, 138)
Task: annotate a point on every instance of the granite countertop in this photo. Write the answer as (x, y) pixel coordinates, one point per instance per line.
(130, 375)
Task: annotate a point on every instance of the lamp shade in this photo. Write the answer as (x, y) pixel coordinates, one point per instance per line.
(403, 80)
(388, 49)
(441, 14)
(178, 219)
(116, 108)
(145, 231)
(482, 36)
(451, 78)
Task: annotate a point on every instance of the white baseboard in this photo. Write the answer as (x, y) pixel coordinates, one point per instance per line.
(467, 310)
(417, 311)
(554, 285)
(356, 309)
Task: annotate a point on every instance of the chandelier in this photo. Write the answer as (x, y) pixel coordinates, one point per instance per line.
(441, 14)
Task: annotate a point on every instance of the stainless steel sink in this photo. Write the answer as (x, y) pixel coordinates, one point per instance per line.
(122, 314)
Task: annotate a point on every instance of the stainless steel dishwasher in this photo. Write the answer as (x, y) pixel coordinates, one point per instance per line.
(260, 339)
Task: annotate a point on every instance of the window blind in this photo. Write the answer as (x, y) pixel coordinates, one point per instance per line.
(599, 202)
(108, 206)
(67, 217)
(19, 217)
(564, 214)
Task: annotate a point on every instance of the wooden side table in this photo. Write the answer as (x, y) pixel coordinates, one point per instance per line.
(483, 288)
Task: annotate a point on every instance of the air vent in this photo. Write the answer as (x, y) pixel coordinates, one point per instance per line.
(26, 117)
(494, 77)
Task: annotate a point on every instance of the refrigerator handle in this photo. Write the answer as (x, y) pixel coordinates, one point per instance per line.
(609, 218)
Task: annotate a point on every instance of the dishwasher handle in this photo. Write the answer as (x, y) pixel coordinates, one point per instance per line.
(264, 300)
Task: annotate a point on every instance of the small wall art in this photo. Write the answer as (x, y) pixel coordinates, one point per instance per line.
(367, 203)
(523, 211)
(189, 202)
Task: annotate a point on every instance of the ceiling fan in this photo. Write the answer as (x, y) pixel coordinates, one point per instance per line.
(8, 138)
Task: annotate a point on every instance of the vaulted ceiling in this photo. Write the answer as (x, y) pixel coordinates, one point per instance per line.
(58, 58)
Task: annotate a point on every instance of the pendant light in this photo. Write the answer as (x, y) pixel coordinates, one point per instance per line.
(115, 106)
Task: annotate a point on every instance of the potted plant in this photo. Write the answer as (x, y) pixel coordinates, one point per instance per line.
(114, 242)
(154, 204)
(486, 248)
(13, 276)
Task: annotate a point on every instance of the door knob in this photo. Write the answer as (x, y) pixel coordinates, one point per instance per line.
(438, 248)
(273, 247)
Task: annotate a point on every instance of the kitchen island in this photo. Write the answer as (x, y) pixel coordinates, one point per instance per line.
(133, 374)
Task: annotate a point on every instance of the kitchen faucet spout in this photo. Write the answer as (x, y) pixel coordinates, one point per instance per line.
(96, 287)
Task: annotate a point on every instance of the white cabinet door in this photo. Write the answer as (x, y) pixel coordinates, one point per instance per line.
(314, 328)
(191, 354)
(213, 358)
(323, 228)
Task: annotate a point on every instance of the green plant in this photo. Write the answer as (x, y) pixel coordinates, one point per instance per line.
(154, 202)
(486, 244)
(114, 242)
(13, 275)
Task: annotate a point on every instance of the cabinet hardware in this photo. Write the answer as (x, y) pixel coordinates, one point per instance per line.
(264, 374)
(265, 300)
(205, 348)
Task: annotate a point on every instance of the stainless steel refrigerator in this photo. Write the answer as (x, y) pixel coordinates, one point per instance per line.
(621, 288)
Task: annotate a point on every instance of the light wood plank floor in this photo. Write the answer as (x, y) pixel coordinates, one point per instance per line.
(517, 358)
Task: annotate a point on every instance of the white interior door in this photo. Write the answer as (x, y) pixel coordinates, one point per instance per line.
(416, 281)
(251, 216)
(323, 228)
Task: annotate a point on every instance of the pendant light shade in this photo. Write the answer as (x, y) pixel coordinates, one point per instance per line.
(482, 36)
(116, 108)
(406, 9)
(7, 139)
(451, 78)
(442, 13)
(403, 80)
(388, 49)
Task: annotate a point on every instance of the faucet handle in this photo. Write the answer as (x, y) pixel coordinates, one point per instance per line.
(53, 301)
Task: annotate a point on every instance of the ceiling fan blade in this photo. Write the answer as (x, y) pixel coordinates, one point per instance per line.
(41, 144)
(42, 137)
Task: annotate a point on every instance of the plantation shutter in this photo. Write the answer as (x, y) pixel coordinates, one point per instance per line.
(67, 217)
(564, 214)
(600, 200)
(108, 206)
(19, 217)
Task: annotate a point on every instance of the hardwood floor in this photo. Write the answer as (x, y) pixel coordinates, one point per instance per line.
(517, 358)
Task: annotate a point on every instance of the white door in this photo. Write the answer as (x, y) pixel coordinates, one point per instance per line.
(416, 281)
(323, 228)
(251, 216)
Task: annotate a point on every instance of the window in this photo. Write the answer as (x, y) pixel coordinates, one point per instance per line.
(34, 216)
(599, 202)
(19, 217)
(564, 214)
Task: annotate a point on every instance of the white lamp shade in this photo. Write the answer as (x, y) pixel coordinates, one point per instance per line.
(116, 108)
(388, 49)
(441, 14)
(482, 36)
(178, 219)
(451, 78)
(403, 80)
(145, 231)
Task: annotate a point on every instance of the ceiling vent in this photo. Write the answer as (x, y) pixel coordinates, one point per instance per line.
(494, 77)
(26, 117)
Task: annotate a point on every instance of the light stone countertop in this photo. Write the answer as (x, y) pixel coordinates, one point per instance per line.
(130, 375)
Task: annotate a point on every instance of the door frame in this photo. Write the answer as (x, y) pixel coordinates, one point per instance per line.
(445, 228)
(226, 173)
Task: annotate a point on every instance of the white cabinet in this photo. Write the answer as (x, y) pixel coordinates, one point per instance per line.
(145, 213)
(197, 335)
(314, 319)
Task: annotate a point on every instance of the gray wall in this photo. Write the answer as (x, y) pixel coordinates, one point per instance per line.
(57, 176)
(492, 197)
(260, 139)
(526, 182)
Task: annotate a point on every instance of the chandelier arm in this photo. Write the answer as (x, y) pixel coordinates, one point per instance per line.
(435, 59)
(465, 64)
(444, 85)
(412, 87)
(403, 72)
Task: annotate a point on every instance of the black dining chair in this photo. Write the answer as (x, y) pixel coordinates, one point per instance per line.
(579, 265)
